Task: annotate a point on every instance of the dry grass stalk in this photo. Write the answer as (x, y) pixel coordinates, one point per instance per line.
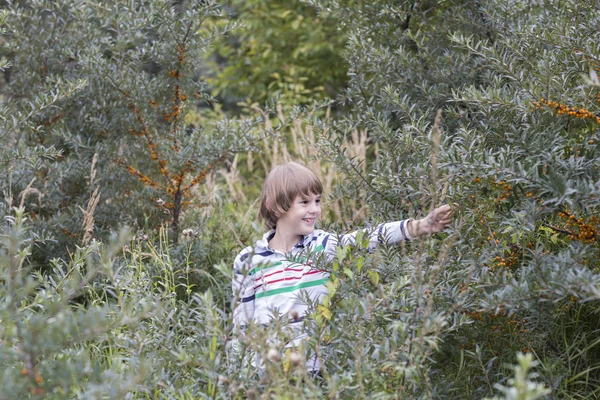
(250, 162)
(88, 216)
(93, 170)
(436, 138)
(232, 176)
(356, 148)
(30, 190)
(88, 213)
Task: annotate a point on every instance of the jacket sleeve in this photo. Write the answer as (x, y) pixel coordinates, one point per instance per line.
(390, 233)
(243, 290)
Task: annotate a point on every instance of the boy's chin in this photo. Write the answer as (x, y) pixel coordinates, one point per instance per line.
(308, 230)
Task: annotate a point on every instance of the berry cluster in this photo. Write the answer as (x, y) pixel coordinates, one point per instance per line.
(579, 229)
(562, 109)
(503, 328)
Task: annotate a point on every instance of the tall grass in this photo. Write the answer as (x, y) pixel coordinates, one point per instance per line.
(294, 139)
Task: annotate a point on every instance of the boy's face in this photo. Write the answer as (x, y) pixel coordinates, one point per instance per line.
(300, 219)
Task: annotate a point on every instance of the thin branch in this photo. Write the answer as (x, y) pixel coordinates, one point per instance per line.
(358, 173)
(559, 230)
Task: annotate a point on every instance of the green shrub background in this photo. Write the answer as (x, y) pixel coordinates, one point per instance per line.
(135, 138)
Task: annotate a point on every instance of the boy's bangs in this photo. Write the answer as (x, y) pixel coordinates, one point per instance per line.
(304, 185)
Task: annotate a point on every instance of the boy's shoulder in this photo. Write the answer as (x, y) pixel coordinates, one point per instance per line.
(244, 254)
(317, 235)
(259, 247)
(320, 233)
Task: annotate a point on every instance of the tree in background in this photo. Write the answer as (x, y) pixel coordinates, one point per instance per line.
(91, 92)
(283, 49)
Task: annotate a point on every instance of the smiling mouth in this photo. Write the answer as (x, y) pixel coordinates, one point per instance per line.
(309, 220)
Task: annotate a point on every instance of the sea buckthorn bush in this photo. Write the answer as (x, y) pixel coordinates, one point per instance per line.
(497, 113)
(106, 89)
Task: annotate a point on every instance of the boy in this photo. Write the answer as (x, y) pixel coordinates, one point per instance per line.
(271, 279)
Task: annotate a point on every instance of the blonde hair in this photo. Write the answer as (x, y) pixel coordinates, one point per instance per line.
(283, 184)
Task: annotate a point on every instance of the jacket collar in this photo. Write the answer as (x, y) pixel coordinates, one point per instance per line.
(263, 243)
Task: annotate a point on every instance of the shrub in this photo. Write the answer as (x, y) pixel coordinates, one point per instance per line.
(492, 112)
(109, 86)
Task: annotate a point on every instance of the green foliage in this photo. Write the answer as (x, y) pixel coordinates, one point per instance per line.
(283, 49)
(47, 340)
(98, 95)
(522, 388)
(491, 107)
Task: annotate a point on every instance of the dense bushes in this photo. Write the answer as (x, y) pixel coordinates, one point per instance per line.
(492, 107)
(514, 145)
(136, 71)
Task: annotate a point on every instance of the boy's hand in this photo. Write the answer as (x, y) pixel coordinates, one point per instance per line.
(435, 221)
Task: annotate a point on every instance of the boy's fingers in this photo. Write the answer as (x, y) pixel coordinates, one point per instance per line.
(444, 209)
(446, 218)
(440, 217)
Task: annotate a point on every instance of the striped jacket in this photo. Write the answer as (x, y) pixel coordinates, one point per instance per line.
(267, 282)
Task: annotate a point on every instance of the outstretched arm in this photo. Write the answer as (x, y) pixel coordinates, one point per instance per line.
(435, 221)
(394, 232)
